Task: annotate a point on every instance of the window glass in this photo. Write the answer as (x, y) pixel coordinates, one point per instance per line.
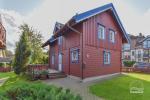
(112, 36)
(106, 57)
(53, 59)
(75, 55)
(101, 32)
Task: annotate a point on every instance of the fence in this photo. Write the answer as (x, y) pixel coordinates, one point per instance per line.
(136, 69)
(5, 69)
(32, 67)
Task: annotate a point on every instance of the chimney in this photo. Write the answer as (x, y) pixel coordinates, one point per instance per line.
(140, 35)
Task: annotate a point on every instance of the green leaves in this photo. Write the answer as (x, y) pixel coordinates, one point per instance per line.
(23, 51)
(22, 90)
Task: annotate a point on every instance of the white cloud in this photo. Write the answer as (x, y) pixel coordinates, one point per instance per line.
(44, 17)
(11, 21)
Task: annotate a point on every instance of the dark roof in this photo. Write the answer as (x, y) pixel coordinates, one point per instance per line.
(58, 26)
(83, 16)
(145, 39)
(90, 13)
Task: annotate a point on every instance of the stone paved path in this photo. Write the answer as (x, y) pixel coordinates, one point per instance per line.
(2, 80)
(75, 86)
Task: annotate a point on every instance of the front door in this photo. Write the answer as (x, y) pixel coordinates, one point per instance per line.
(60, 62)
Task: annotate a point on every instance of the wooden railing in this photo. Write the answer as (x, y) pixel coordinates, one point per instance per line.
(136, 69)
(5, 69)
(32, 67)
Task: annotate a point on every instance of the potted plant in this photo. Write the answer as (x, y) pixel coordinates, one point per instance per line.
(44, 74)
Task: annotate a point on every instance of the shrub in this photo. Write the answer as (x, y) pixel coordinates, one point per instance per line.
(22, 90)
(2, 64)
(129, 63)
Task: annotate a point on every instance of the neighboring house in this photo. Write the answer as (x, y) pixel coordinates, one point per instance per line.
(89, 44)
(138, 50)
(145, 44)
(2, 39)
(126, 51)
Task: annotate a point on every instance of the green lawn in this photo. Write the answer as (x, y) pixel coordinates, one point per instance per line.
(6, 74)
(119, 88)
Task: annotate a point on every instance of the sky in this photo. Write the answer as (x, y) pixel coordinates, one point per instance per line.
(42, 15)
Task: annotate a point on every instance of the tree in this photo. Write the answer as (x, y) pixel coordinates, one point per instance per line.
(22, 51)
(38, 56)
(8, 53)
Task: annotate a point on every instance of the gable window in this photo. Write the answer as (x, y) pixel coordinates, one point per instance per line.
(106, 57)
(101, 31)
(53, 59)
(112, 36)
(60, 40)
(75, 56)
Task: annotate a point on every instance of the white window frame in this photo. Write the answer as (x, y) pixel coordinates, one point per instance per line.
(59, 40)
(53, 59)
(148, 43)
(112, 36)
(106, 57)
(75, 55)
(101, 31)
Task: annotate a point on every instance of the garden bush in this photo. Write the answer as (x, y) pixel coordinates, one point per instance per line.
(129, 63)
(23, 90)
(2, 64)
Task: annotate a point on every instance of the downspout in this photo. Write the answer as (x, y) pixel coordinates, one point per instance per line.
(82, 65)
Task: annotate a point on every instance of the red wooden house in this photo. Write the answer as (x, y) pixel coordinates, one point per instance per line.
(89, 44)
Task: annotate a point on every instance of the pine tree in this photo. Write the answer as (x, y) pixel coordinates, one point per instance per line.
(22, 51)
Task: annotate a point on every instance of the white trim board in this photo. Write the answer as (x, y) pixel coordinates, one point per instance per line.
(99, 77)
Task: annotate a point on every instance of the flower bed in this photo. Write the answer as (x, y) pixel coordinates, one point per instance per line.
(38, 71)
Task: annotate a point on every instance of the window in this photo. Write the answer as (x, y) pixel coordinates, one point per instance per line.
(126, 46)
(112, 36)
(139, 54)
(106, 57)
(75, 56)
(53, 59)
(133, 53)
(60, 40)
(101, 32)
(148, 43)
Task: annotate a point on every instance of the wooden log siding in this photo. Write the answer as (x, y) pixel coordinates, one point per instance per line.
(136, 69)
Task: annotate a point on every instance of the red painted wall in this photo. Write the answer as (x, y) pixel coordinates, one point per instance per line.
(92, 47)
(70, 41)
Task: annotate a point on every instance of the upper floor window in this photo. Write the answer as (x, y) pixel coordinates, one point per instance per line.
(53, 59)
(133, 53)
(148, 43)
(126, 46)
(101, 31)
(60, 40)
(112, 36)
(106, 57)
(139, 54)
(75, 55)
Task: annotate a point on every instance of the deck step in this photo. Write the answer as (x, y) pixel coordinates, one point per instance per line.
(56, 75)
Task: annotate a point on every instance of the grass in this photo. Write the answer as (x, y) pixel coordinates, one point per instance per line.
(20, 88)
(7, 74)
(119, 88)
